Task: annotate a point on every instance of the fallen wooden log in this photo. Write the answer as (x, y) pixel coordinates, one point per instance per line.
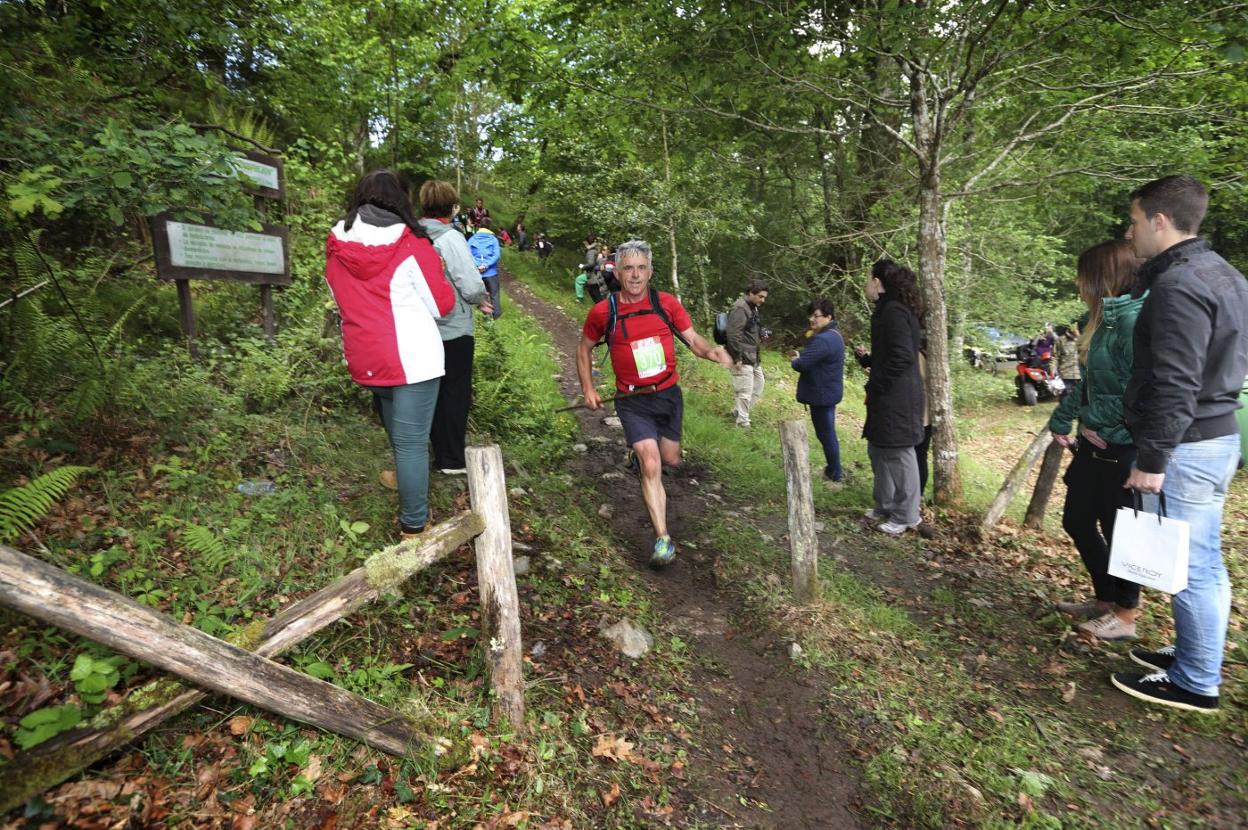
(36, 770)
(1015, 480)
(1049, 468)
(48, 593)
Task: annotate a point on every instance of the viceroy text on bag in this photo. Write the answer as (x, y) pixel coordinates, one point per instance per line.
(1150, 549)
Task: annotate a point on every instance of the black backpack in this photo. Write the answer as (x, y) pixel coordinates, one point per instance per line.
(614, 317)
(720, 333)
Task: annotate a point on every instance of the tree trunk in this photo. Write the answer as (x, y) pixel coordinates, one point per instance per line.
(53, 596)
(957, 326)
(833, 260)
(1049, 468)
(671, 213)
(68, 754)
(946, 480)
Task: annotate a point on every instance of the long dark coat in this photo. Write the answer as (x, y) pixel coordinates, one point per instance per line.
(895, 388)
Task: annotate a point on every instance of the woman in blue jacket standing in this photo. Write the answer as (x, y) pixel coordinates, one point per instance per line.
(821, 370)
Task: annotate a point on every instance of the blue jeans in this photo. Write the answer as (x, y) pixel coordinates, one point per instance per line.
(492, 285)
(1195, 486)
(407, 413)
(824, 419)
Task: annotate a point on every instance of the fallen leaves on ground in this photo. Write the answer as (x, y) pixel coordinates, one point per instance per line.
(613, 747)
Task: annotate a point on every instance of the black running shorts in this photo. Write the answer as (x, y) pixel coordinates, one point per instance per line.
(652, 415)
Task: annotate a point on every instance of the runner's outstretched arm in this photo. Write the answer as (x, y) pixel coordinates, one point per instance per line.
(705, 350)
(584, 367)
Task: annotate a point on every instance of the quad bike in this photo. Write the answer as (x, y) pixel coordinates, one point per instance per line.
(1035, 381)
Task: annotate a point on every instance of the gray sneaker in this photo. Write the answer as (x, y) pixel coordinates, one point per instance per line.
(1088, 610)
(1108, 627)
(874, 515)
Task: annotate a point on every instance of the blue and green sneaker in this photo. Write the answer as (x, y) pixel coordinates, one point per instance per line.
(664, 551)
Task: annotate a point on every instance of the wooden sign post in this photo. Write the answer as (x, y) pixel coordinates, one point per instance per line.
(187, 250)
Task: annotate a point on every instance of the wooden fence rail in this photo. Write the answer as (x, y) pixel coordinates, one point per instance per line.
(50, 594)
(239, 668)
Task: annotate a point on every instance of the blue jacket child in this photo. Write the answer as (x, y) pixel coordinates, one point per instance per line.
(485, 251)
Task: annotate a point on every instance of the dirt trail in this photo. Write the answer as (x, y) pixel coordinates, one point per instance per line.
(769, 759)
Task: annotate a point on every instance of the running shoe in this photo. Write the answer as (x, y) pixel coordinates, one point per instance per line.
(664, 551)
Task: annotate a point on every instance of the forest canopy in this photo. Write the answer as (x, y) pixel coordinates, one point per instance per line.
(983, 144)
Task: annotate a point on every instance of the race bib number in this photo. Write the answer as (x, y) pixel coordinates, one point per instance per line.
(649, 357)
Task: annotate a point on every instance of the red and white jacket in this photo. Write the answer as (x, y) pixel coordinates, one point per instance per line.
(390, 289)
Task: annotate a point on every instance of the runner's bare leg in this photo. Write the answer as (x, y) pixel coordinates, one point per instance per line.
(651, 462)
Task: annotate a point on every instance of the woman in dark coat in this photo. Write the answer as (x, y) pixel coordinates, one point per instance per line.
(894, 396)
(821, 368)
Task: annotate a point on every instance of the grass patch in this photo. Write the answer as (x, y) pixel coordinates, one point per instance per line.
(943, 740)
(163, 521)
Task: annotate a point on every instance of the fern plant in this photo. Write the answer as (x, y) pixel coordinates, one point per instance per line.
(21, 508)
(204, 542)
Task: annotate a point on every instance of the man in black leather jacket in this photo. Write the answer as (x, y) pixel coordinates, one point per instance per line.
(1191, 356)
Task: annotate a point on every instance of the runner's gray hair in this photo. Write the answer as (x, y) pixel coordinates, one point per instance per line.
(630, 248)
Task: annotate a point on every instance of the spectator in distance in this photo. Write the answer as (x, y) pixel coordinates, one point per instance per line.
(485, 253)
(820, 383)
(520, 234)
(895, 396)
(477, 212)
(745, 342)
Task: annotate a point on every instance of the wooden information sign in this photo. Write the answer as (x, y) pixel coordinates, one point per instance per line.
(187, 250)
(190, 251)
(261, 174)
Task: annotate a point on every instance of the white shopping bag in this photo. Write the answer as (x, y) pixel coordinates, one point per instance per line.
(1150, 549)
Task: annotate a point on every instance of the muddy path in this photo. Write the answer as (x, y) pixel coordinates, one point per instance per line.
(767, 758)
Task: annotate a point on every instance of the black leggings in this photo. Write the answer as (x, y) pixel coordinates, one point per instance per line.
(921, 450)
(449, 430)
(1094, 493)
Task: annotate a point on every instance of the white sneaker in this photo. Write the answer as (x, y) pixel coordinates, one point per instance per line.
(894, 528)
(874, 515)
(454, 471)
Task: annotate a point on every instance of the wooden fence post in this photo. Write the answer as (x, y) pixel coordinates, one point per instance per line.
(186, 313)
(802, 541)
(1015, 479)
(266, 306)
(1049, 469)
(496, 580)
(47, 593)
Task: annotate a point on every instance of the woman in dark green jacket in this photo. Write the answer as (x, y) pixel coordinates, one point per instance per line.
(1105, 450)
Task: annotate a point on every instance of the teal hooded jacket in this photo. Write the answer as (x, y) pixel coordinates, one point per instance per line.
(1096, 400)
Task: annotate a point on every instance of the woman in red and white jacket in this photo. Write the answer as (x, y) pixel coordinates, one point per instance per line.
(388, 283)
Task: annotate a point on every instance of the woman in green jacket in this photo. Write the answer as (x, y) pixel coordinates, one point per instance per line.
(1105, 449)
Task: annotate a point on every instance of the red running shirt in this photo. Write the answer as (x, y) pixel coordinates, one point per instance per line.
(643, 349)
